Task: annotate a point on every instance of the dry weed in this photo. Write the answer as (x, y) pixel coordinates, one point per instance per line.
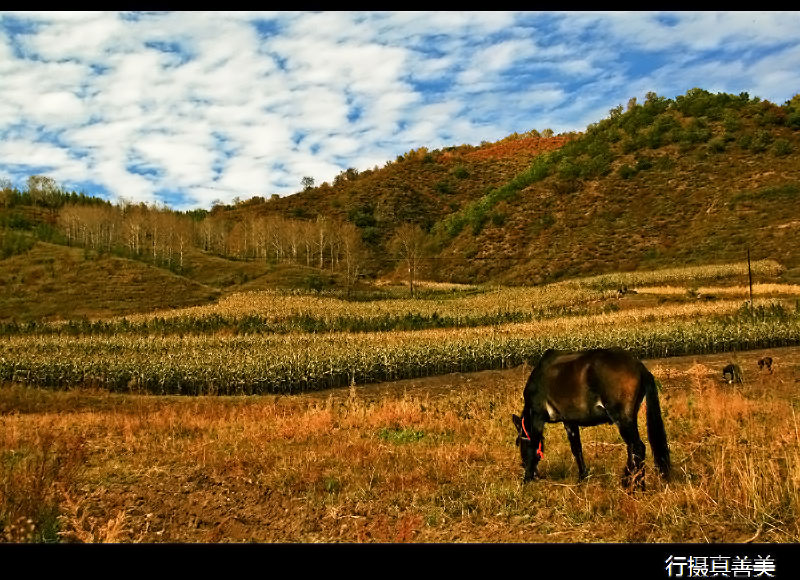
(421, 460)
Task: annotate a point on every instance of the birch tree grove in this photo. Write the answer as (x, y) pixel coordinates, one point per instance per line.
(164, 236)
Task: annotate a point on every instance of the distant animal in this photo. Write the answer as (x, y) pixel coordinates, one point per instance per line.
(765, 363)
(732, 373)
(587, 388)
(623, 290)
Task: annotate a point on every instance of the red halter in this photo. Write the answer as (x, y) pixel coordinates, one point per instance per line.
(538, 451)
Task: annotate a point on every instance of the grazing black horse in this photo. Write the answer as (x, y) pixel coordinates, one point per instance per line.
(732, 373)
(586, 388)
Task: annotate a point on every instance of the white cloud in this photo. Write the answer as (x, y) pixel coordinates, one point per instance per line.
(80, 36)
(206, 105)
(496, 58)
(22, 152)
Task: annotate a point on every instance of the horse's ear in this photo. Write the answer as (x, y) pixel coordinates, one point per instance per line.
(517, 422)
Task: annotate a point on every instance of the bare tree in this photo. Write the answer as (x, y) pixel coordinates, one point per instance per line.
(322, 238)
(353, 253)
(93, 227)
(182, 234)
(69, 222)
(133, 226)
(410, 245)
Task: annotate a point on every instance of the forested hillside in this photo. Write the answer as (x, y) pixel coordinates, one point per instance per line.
(692, 180)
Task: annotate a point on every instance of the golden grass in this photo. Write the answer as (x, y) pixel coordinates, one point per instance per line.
(426, 460)
(277, 305)
(741, 291)
(56, 282)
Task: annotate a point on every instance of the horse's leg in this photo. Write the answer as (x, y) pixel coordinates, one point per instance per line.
(634, 469)
(574, 436)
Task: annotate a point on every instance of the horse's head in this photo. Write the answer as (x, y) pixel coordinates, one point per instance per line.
(531, 450)
(521, 431)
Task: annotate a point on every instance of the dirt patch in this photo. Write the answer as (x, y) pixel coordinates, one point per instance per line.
(673, 372)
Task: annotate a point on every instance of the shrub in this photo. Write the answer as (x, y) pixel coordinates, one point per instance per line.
(664, 163)
(785, 192)
(362, 217)
(761, 141)
(731, 123)
(626, 171)
(629, 145)
(698, 132)
(782, 147)
(695, 102)
(568, 170)
(314, 282)
(654, 139)
(370, 235)
(460, 172)
(716, 145)
(745, 141)
(770, 115)
(674, 135)
(643, 163)
(663, 130)
(597, 166)
(443, 187)
(13, 242)
(613, 135)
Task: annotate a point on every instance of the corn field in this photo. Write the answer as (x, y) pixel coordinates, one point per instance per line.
(691, 275)
(287, 343)
(296, 362)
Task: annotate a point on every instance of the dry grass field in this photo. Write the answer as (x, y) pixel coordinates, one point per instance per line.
(418, 460)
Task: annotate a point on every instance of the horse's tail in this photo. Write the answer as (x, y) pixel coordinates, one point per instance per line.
(655, 425)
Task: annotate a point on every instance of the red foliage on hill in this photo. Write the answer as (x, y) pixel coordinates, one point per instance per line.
(529, 146)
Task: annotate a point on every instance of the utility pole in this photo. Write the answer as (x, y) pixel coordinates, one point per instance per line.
(750, 276)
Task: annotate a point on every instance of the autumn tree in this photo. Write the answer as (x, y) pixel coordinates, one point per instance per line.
(69, 223)
(134, 218)
(5, 192)
(42, 189)
(322, 228)
(409, 244)
(181, 229)
(308, 237)
(95, 227)
(353, 254)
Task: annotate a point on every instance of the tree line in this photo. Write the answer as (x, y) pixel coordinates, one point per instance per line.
(163, 236)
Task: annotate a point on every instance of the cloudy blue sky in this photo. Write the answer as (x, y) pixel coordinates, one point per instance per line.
(190, 107)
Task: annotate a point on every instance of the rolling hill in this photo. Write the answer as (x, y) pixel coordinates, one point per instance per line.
(698, 179)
